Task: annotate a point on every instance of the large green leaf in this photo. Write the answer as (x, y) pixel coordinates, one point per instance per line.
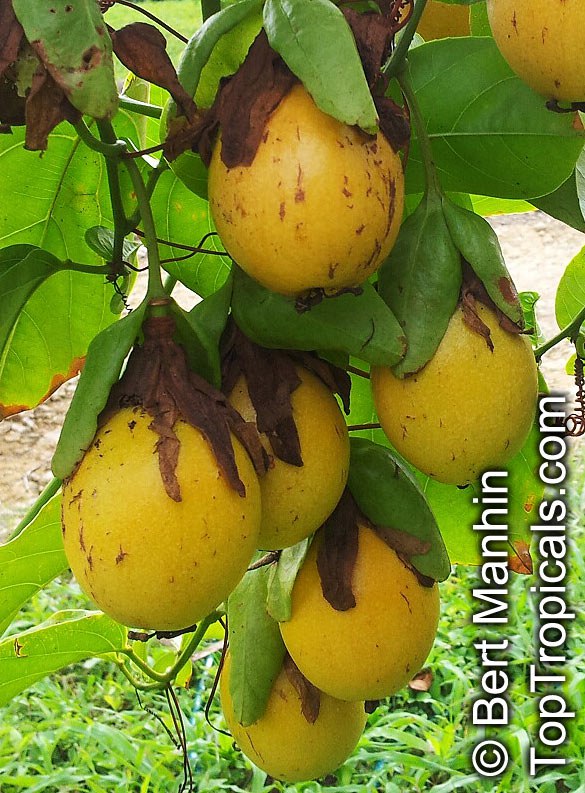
(490, 134)
(359, 325)
(59, 196)
(183, 217)
(67, 638)
(389, 495)
(256, 647)
(570, 297)
(30, 561)
(420, 281)
(73, 42)
(564, 203)
(317, 44)
(105, 358)
(282, 579)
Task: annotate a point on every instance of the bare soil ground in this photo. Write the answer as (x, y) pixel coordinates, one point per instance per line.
(537, 250)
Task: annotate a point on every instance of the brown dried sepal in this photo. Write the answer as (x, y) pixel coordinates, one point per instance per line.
(405, 546)
(11, 35)
(142, 49)
(472, 291)
(422, 681)
(520, 559)
(309, 694)
(271, 378)
(337, 553)
(46, 107)
(158, 379)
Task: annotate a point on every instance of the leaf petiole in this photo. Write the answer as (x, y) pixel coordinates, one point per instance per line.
(570, 332)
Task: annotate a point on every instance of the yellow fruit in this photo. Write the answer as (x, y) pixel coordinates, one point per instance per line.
(468, 409)
(370, 651)
(144, 559)
(543, 41)
(440, 20)
(297, 500)
(284, 744)
(320, 206)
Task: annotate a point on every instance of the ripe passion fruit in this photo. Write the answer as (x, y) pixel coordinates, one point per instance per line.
(372, 650)
(320, 206)
(283, 743)
(542, 40)
(146, 560)
(297, 500)
(469, 409)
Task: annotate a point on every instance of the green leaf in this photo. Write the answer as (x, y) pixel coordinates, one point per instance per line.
(256, 647)
(570, 297)
(105, 357)
(317, 44)
(420, 281)
(388, 494)
(479, 245)
(528, 301)
(67, 638)
(478, 19)
(60, 195)
(184, 218)
(202, 43)
(101, 240)
(282, 579)
(200, 331)
(564, 203)
(73, 42)
(359, 325)
(490, 134)
(228, 55)
(30, 561)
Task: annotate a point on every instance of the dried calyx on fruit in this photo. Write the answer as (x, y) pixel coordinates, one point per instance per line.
(363, 618)
(471, 406)
(290, 397)
(302, 201)
(161, 517)
(320, 731)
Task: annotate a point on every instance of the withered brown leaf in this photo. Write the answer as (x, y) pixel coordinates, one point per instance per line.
(309, 694)
(142, 49)
(11, 34)
(337, 554)
(46, 106)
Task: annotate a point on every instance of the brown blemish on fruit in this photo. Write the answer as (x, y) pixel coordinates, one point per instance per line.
(81, 540)
(131, 425)
(332, 269)
(406, 600)
(299, 193)
(122, 554)
(359, 229)
(282, 210)
(90, 558)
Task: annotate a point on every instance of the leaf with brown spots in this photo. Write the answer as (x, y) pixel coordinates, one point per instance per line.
(309, 694)
(142, 49)
(520, 559)
(337, 553)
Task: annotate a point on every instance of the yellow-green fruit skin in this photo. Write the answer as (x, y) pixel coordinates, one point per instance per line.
(320, 206)
(144, 559)
(441, 20)
(284, 744)
(543, 42)
(297, 500)
(370, 651)
(468, 409)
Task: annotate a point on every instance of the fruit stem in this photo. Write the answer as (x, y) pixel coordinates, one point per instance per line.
(191, 646)
(50, 490)
(395, 63)
(133, 681)
(155, 284)
(141, 108)
(432, 182)
(108, 136)
(113, 150)
(570, 332)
